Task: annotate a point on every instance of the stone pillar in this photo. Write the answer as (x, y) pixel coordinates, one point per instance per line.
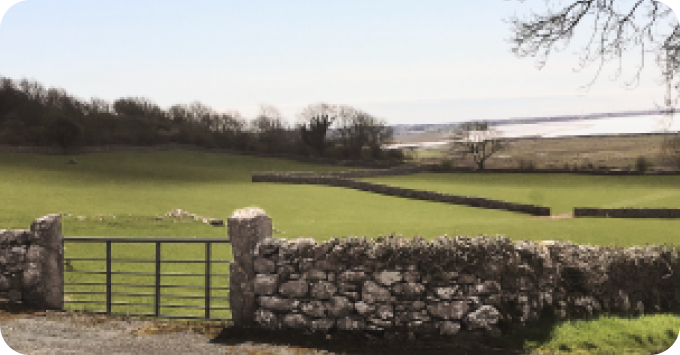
(247, 227)
(43, 278)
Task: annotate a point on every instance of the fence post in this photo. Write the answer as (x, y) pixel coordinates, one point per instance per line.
(247, 227)
(44, 275)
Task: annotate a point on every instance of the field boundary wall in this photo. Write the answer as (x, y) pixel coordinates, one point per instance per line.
(613, 172)
(32, 264)
(627, 212)
(394, 288)
(343, 180)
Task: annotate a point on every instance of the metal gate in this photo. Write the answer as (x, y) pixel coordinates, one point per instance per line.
(157, 285)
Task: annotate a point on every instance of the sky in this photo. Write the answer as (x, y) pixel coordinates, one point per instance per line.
(405, 61)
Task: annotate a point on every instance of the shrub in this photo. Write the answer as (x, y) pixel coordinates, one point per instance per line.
(642, 164)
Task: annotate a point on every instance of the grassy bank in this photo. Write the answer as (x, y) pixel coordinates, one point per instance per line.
(138, 187)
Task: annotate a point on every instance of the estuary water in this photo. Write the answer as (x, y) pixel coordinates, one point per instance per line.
(583, 127)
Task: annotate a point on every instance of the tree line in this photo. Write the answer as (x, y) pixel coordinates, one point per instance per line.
(33, 115)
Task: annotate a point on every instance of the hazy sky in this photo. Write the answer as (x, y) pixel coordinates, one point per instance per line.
(423, 61)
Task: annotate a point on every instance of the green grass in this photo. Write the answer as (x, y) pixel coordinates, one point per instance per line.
(561, 192)
(137, 187)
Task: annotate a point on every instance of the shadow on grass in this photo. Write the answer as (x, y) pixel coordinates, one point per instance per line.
(513, 342)
(349, 343)
(516, 339)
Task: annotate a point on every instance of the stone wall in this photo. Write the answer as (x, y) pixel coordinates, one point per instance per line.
(627, 212)
(605, 172)
(393, 287)
(344, 181)
(32, 264)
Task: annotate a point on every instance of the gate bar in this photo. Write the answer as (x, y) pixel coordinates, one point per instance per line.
(158, 278)
(108, 276)
(207, 280)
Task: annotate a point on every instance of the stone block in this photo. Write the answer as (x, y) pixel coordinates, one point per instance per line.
(275, 303)
(446, 293)
(448, 328)
(372, 293)
(387, 278)
(339, 306)
(409, 290)
(266, 284)
(264, 266)
(351, 323)
(323, 290)
(448, 310)
(294, 289)
(323, 325)
(316, 275)
(384, 311)
(314, 308)
(267, 319)
(296, 321)
(353, 277)
(485, 317)
(364, 308)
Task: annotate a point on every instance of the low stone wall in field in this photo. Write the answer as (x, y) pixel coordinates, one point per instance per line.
(32, 265)
(344, 181)
(627, 212)
(606, 172)
(392, 287)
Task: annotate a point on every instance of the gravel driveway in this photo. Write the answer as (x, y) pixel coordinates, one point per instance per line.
(74, 333)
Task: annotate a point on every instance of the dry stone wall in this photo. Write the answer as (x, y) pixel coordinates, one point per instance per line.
(391, 287)
(344, 181)
(32, 265)
(596, 171)
(627, 212)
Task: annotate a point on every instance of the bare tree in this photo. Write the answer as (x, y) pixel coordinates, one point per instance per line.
(270, 129)
(618, 27)
(269, 119)
(98, 106)
(229, 121)
(476, 139)
(358, 130)
(315, 120)
(201, 114)
(179, 114)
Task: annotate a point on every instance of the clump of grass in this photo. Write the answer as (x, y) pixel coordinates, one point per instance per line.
(612, 335)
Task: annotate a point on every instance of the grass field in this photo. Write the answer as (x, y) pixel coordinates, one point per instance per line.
(137, 187)
(612, 151)
(561, 192)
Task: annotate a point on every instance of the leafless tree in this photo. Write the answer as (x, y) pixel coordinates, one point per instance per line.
(33, 90)
(179, 114)
(358, 130)
(476, 139)
(270, 129)
(230, 121)
(315, 120)
(617, 26)
(268, 119)
(98, 106)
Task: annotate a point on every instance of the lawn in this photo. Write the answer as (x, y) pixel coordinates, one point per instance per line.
(138, 187)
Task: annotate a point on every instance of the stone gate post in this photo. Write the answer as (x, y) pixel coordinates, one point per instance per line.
(247, 227)
(43, 277)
